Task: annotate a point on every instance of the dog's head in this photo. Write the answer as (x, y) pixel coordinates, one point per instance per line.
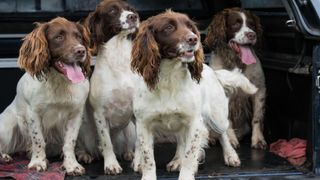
(169, 35)
(110, 18)
(60, 44)
(237, 28)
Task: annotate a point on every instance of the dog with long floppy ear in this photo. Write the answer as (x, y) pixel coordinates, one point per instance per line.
(34, 54)
(146, 56)
(112, 25)
(233, 36)
(217, 29)
(45, 116)
(217, 36)
(177, 95)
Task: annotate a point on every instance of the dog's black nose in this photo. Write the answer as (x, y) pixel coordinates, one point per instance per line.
(132, 17)
(192, 39)
(251, 35)
(79, 50)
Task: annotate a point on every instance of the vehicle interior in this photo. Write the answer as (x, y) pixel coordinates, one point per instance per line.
(290, 57)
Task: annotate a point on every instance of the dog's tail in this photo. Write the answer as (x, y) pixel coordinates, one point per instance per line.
(235, 79)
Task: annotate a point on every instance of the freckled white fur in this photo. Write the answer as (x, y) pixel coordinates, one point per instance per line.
(181, 107)
(240, 36)
(254, 74)
(111, 90)
(44, 118)
(123, 19)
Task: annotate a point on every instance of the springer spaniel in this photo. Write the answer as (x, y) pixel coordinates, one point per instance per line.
(46, 114)
(231, 37)
(177, 95)
(112, 26)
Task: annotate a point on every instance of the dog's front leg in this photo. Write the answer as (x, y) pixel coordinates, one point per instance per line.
(38, 160)
(129, 133)
(175, 163)
(136, 163)
(145, 140)
(258, 102)
(231, 157)
(111, 165)
(70, 163)
(195, 139)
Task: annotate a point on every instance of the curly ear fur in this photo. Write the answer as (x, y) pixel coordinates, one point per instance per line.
(146, 56)
(94, 25)
(258, 29)
(216, 33)
(34, 53)
(86, 42)
(196, 66)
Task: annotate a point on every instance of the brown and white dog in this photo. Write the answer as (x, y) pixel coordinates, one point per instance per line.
(46, 114)
(231, 36)
(177, 95)
(112, 26)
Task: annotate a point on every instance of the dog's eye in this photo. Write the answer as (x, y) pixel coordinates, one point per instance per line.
(236, 25)
(169, 28)
(78, 36)
(59, 38)
(189, 25)
(251, 24)
(112, 11)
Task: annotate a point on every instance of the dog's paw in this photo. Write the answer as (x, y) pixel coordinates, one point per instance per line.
(128, 156)
(83, 156)
(112, 168)
(136, 166)
(73, 168)
(258, 142)
(174, 165)
(6, 158)
(38, 164)
(231, 158)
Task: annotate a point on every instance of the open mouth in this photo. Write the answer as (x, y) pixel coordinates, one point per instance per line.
(71, 71)
(243, 51)
(187, 54)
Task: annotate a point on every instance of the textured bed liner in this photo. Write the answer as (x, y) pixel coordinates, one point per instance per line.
(255, 164)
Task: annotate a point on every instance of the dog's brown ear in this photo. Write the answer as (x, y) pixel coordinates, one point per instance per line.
(34, 53)
(216, 32)
(86, 42)
(146, 55)
(258, 29)
(196, 66)
(94, 25)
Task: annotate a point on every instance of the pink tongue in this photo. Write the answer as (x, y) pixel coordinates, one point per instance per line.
(246, 55)
(74, 73)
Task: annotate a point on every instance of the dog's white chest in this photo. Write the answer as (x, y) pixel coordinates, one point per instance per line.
(168, 111)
